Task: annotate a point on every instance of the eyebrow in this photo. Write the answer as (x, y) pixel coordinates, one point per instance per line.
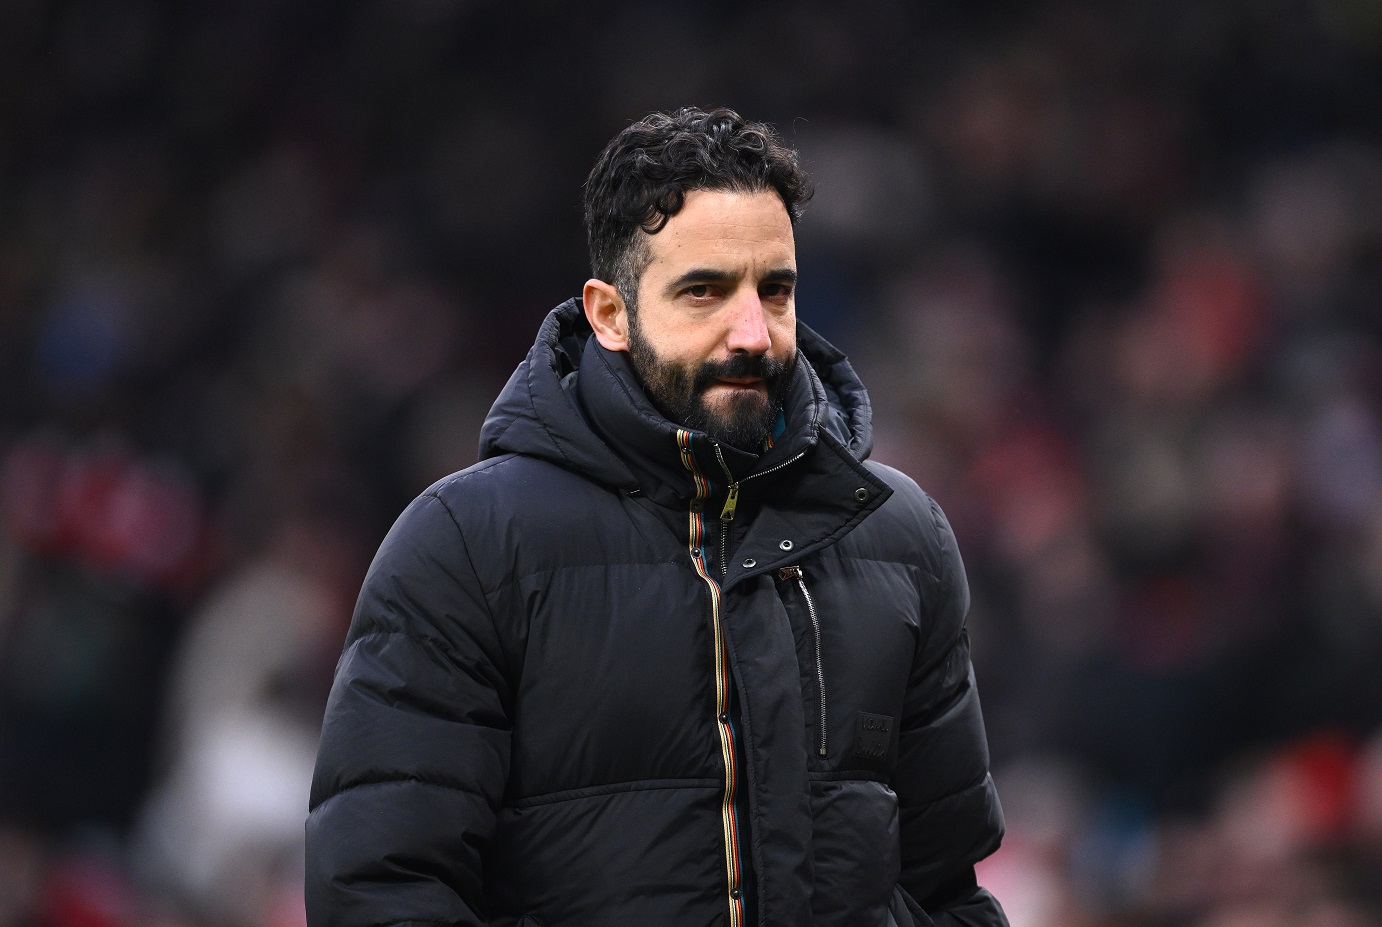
(714, 275)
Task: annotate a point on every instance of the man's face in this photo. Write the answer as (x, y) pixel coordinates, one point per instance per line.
(713, 337)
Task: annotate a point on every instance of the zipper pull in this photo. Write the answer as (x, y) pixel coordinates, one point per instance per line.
(789, 572)
(731, 503)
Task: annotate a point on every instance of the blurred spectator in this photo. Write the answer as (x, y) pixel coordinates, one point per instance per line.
(223, 830)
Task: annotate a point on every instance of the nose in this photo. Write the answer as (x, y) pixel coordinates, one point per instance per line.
(748, 330)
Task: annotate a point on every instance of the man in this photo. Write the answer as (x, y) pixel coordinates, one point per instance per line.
(672, 653)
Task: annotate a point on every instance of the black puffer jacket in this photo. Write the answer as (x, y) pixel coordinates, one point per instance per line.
(560, 702)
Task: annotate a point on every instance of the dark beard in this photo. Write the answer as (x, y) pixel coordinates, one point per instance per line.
(679, 394)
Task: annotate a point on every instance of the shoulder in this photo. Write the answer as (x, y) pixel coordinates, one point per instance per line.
(467, 512)
(507, 479)
(906, 493)
(466, 536)
(910, 525)
(512, 490)
(514, 515)
(444, 510)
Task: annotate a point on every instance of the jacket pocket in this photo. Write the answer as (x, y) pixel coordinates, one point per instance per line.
(793, 574)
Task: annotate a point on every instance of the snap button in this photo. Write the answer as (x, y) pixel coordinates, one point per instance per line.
(786, 545)
(724, 718)
(861, 494)
(750, 563)
(734, 893)
(696, 553)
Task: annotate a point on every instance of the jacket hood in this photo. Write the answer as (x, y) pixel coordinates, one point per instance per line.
(569, 391)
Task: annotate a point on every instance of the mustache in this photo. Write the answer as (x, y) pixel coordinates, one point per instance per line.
(759, 366)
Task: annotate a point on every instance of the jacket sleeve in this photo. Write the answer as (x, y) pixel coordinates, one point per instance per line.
(415, 744)
(949, 816)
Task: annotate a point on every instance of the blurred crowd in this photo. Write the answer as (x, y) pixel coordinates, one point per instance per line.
(1111, 270)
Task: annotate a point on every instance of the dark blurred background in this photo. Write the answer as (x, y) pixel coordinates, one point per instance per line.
(1112, 271)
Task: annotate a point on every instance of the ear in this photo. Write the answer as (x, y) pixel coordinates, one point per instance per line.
(607, 314)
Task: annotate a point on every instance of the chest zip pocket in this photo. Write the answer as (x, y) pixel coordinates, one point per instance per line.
(794, 573)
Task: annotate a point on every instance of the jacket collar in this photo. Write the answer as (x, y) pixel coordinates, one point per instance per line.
(615, 404)
(581, 407)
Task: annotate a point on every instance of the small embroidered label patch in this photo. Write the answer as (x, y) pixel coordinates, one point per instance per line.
(873, 736)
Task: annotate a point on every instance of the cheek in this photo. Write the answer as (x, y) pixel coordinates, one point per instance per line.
(783, 333)
(692, 345)
(675, 337)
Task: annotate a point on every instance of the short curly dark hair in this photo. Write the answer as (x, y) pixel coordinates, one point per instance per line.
(642, 177)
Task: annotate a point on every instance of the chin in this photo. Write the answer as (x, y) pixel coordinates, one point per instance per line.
(738, 405)
(740, 415)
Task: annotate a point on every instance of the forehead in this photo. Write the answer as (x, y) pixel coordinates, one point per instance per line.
(740, 231)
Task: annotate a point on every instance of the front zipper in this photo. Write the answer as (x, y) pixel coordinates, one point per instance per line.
(728, 812)
(732, 499)
(794, 572)
(729, 819)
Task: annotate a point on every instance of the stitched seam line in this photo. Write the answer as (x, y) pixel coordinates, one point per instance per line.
(977, 784)
(848, 776)
(470, 562)
(614, 788)
(427, 639)
(396, 780)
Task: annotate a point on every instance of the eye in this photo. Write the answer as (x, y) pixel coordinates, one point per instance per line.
(777, 291)
(699, 291)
